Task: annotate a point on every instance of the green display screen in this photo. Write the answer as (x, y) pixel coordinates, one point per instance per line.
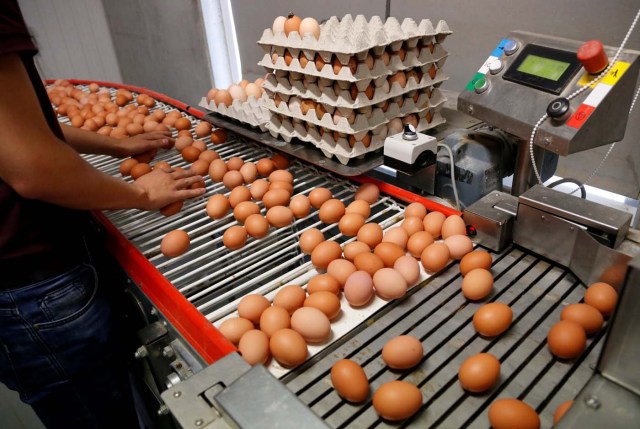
(543, 67)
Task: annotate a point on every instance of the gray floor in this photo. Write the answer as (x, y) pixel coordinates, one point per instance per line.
(14, 414)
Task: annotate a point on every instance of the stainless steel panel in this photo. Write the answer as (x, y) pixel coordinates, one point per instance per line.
(492, 217)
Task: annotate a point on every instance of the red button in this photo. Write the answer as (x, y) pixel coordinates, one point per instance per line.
(580, 116)
(592, 56)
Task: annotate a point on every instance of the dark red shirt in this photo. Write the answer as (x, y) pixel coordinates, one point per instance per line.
(31, 230)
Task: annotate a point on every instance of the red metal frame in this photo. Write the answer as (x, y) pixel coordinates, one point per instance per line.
(187, 320)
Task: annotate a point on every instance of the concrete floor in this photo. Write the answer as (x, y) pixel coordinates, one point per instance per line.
(14, 414)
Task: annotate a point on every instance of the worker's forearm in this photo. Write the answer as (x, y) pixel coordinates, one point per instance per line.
(84, 141)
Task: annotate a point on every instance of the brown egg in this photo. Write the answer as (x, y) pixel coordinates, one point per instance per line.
(351, 250)
(479, 372)
(265, 167)
(171, 209)
(418, 242)
(183, 142)
(492, 319)
(389, 284)
(234, 237)
(288, 347)
(399, 77)
(320, 63)
(127, 165)
(200, 167)
(200, 145)
(402, 352)
(325, 301)
(217, 170)
(217, 206)
(561, 410)
(249, 172)
(231, 179)
(350, 223)
(360, 207)
(358, 290)
(162, 165)
(388, 252)
(234, 328)
(408, 268)
(601, 296)
(453, 225)
(256, 225)
(182, 124)
(222, 96)
(174, 243)
(254, 347)
(432, 223)
(412, 224)
(318, 196)
(235, 163)
(244, 209)
(139, 170)
(371, 234)
(475, 259)
(282, 185)
(238, 195)
(252, 306)
(281, 162)
(219, 136)
(415, 209)
(300, 206)
(310, 239)
(369, 262)
(397, 400)
(477, 284)
(276, 197)
(273, 319)
(331, 211)
(459, 245)
(396, 235)
(566, 339)
(290, 298)
(259, 188)
(341, 269)
(350, 380)
(368, 192)
(584, 315)
(279, 216)
(324, 253)
(435, 257)
(281, 176)
(203, 129)
(323, 282)
(509, 413)
(312, 324)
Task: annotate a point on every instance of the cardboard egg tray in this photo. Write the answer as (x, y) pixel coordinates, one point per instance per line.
(341, 97)
(365, 120)
(347, 37)
(427, 55)
(250, 112)
(288, 128)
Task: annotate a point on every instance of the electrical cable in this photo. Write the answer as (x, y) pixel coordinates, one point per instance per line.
(578, 92)
(583, 192)
(453, 175)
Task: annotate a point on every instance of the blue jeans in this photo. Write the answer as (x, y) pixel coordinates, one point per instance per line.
(59, 349)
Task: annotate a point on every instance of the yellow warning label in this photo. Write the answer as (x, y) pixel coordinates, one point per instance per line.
(610, 78)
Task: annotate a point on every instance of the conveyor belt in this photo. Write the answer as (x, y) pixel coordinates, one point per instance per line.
(438, 314)
(214, 279)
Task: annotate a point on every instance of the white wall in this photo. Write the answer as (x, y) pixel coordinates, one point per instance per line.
(73, 39)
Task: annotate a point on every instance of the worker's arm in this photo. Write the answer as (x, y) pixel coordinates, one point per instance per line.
(38, 165)
(85, 141)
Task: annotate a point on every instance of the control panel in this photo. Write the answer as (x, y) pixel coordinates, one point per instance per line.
(528, 75)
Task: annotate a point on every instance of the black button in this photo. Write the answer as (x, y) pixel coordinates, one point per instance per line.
(558, 108)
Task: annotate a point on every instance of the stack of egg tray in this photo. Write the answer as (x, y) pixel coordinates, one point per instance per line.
(344, 39)
(251, 112)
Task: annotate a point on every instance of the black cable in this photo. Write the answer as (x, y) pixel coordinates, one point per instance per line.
(583, 192)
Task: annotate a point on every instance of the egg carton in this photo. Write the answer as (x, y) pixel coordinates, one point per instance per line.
(252, 111)
(290, 128)
(338, 95)
(363, 121)
(347, 37)
(425, 55)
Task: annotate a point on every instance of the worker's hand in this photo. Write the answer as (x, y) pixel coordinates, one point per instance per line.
(165, 186)
(145, 142)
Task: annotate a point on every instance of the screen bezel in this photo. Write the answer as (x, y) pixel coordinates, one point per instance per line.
(538, 82)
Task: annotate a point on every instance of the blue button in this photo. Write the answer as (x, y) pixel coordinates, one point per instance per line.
(511, 47)
(498, 51)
